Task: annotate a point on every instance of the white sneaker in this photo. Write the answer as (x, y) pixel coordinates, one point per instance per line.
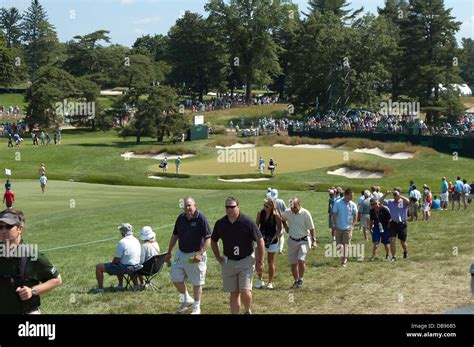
(259, 284)
(196, 309)
(184, 305)
(269, 286)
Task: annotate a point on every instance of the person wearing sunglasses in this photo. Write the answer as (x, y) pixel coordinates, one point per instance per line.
(269, 222)
(24, 273)
(238, 233)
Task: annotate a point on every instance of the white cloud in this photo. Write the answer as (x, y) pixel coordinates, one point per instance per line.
(146, 20)
(139, 31)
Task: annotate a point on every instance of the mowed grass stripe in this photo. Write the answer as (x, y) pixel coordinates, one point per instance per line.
(432, 280)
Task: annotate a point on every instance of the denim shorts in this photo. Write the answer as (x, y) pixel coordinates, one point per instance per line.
(121, 269)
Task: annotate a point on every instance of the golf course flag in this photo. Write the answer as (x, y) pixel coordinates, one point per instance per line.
(8, 172)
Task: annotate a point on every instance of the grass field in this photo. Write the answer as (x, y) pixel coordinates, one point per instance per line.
(95, 157)
(92, 189)
(76, 225)
(288, 160)
(13, 100)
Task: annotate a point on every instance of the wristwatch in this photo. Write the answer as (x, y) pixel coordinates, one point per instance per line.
(33, 292)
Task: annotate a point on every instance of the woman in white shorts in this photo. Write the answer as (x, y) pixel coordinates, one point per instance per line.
(269, 223)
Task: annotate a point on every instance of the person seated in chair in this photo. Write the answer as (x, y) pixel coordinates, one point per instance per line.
(126, 260)
(150, 248)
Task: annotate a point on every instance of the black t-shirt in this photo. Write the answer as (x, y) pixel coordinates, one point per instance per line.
(268, 227)
(382, 217)
(191, 233)
(238, 237)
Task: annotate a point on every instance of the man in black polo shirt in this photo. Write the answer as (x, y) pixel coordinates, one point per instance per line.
(238, 232)
(193, 232)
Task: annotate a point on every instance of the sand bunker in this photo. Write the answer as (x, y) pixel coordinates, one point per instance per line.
(238, 145)
(110, 92)
(236, 180)
(158, 178)
(304, 146)
(160, 156)
(383, 154)
(349, 173)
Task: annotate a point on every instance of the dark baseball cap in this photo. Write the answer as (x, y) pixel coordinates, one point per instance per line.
(10, 218)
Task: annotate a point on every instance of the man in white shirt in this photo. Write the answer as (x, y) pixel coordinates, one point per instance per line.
(43, 182)
(126, 260)
(299, 225)
(415, 197)
(466, 192)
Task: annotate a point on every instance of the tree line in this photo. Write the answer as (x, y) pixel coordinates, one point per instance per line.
(326, 57)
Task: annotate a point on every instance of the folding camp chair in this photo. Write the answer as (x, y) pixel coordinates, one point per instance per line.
(150, 269)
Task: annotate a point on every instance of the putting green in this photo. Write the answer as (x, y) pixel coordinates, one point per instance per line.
(245, 161)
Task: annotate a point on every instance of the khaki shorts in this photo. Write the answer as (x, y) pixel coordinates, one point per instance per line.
(237, 274)
(342, 237)
(297, 251)
(364, 221)
(465, 197)
(181, 269)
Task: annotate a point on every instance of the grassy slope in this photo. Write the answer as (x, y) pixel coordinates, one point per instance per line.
(95, 158)
(433, 280)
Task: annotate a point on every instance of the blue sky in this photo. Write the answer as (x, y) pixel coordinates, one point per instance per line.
(128, 19)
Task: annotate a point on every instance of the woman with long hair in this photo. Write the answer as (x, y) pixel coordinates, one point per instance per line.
(269, 223)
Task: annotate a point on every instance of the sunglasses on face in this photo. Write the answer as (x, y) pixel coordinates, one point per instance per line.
(6, 227)
(231, 207)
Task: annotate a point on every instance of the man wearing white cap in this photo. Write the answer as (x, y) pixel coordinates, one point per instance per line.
(190, 261)
(126, 260)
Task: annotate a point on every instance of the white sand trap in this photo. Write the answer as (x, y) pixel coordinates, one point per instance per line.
(238, 145)
(377, 151)
(236, 180)
(349, 173)
(110, 92)
(161, 156)
(158, 178)
(304, 146)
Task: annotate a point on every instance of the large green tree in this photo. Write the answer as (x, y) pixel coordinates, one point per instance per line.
(284, 36)
(155, 47)
(39, 36)
(336, 7)
(198, 60)
(395, 11)
(429, 47)
(317, 62)
(247, 27)
(467, 61)
(8, 71)
(10, 20)
(156, 115)
(369, 60)
(50, 90)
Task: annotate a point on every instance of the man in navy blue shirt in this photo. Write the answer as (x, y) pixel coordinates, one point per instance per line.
(190, 262)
